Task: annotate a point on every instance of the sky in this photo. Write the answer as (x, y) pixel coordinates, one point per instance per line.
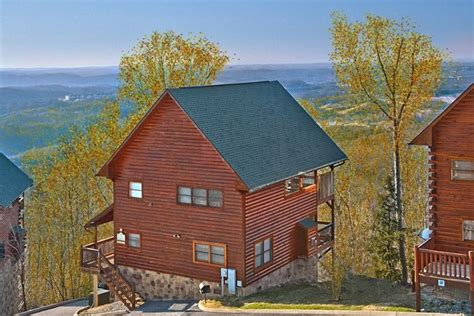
(79, 33)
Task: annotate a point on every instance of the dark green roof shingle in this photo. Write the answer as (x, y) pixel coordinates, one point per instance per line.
(13, 181)
(259, 129)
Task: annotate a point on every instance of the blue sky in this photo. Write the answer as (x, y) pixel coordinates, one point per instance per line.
(62, 33)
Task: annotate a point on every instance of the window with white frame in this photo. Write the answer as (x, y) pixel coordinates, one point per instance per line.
(468, 230)
(462, 170)
(135, 190)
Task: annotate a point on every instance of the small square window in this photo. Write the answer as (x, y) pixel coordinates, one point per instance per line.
(468, 230)
(217, 255)
(184, 195)
(134, 240)
(200, 196)
(202, 252)
(215, 198)
(136, 190)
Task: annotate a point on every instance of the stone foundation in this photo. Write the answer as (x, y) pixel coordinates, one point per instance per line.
(153, 285)
(297, 271)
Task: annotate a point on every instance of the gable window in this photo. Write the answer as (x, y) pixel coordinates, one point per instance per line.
(184, 195)
(462, 170)
(2, 250)
(134, 240)
(468, 230)
(263, 252)
(199, 196)
(135, 190)
(215, 198)
(209, 253)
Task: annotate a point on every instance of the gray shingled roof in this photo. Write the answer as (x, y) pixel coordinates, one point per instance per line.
(259, 129)
(13, 181)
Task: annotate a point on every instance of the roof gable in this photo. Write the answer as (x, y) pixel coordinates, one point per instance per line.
(263, 134)
(13, 181)
(425, 136)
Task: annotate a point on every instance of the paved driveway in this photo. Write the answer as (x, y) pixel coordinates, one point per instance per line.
(167, 308)
(64, 310)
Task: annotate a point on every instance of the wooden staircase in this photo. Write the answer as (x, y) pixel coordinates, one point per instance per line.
(118, 285)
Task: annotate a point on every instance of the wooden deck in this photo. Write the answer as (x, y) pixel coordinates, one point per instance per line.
(90, 254)
(442, 268)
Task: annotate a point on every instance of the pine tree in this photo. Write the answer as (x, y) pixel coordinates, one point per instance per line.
(385, 250)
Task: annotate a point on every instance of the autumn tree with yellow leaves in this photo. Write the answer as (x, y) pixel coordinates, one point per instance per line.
(393, 70)
(68, 193)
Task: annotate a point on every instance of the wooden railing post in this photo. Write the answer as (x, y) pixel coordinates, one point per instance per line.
(471, 279)
(417, 279)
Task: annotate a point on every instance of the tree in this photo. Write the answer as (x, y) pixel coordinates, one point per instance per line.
(393, 70)
(385, 253)
(168, 60)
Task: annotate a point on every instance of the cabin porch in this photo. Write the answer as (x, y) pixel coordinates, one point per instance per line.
(437, 267)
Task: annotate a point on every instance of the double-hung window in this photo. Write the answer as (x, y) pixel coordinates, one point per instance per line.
(468, 230)
(135, 190)
(134, 240)
(462, 170)
(210, 253)
(263, 252)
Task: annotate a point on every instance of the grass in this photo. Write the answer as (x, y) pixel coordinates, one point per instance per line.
(358, 293)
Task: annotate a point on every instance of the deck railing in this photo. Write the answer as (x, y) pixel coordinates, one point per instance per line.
(90, 252)
(326, 186)
(325, 236)
(442, 264)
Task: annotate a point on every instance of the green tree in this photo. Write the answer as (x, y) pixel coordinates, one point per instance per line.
(168, 60)
(392, 69)
(384, 246)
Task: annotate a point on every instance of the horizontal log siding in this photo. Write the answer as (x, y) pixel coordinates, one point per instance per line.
(453, 136)
(168, 150)
(269, 213)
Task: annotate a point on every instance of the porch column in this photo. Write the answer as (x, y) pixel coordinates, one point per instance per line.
(417, 279)
(95, 284)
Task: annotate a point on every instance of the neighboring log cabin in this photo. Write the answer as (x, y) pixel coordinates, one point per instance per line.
(13, 184)
(447, 257)
(225, 176)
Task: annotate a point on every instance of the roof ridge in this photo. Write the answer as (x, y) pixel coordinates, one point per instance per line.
(223, 84)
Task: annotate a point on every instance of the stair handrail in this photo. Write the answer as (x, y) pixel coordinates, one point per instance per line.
(117, 273)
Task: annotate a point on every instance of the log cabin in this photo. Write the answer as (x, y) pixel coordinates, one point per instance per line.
(446, 258)
(220, 184)
(13, 184)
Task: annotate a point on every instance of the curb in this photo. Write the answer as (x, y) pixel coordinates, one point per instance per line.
(45, 308)
(314, 312)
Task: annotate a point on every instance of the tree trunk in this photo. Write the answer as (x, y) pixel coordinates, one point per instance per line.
(399, 201)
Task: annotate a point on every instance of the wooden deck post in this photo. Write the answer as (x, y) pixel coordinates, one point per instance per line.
(417, 279)
(95, 284)
(471, 279)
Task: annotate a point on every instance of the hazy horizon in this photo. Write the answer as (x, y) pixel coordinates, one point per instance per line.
(74, 34)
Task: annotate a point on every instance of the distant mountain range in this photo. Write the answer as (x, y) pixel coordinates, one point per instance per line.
(39, 105)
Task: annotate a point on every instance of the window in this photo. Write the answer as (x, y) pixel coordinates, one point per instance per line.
(292, 185)
(210, 253)
(184, 195)
(134, 240)
(263, 252)
(215, 198)
(462, 170)
(468, 230)
(2, 250)
(308, 179)
(136, 190)
(199, 196)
